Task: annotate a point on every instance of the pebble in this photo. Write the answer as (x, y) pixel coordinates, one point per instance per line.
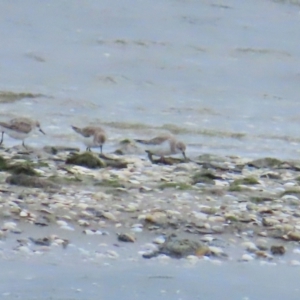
(112, 254)
(217, 251)
(222, 217)
(159, 240)
(250, 246)
(295, 263)
(247, 257)
(9, 226)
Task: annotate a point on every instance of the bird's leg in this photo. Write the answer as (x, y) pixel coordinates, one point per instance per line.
(101, 149)
(23, 144)
(88, 149)
(162, 159)
(150, 156)
(1, 138)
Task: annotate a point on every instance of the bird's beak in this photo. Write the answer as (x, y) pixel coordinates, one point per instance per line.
(40, 129)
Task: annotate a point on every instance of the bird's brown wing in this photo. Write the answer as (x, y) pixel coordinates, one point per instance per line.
(17, 126)
(155, 141)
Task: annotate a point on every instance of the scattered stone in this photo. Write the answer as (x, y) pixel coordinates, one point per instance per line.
(24, 168)
(165, 160)
(126, 237)
(270, 221)
(205, 176)
(294, 236)
(199, 204)
(115, 163)
(179, 248)
(247, 257)
(159, 240)
(267, 162)
(157, 217)
(46, 241)
(30, 181)
(277, 250)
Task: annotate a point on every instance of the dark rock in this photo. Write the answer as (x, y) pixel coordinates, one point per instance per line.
(86, 159)
(126, 237)
(24, 168)
(7, 96)
(57, 149)
(113, 162)
(205, 176)
(294, 236)
(17, 168)
(179, 248)
(166, 160)
(41, 241)
(267, 162)
(30, 181)
(277, 250)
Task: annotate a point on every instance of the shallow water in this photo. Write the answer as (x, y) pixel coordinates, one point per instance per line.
(217, 72)
(40, 279)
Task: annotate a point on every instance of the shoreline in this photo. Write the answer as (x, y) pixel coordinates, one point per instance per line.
(217, 208)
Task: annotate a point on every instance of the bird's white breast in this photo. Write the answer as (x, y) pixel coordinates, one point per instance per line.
(162, 149)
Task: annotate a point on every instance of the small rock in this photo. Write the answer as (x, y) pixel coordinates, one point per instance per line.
(247, 257)
(156, 218)
(126, 237)
(46, 241)
(294, 236)
(269, 222)
(249, 246)
(86, 159)
(159, 240)
(277, 250)
(83, 222)
(30, 181)
(109, 216)
(217, 251)
(179, 248)
(263, 254)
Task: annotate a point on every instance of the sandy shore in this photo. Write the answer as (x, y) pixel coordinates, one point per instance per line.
(222, 209)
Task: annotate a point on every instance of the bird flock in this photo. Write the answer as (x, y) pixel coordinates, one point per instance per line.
(92, 137)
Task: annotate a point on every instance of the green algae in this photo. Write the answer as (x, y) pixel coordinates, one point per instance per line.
(86, 159)
(245, 181)
(112, 183)
(177, 185)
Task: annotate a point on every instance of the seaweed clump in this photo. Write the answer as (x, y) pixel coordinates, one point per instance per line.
(86, 159)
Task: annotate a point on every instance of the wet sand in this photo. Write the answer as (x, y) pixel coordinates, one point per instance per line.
(43, 279)
(213, 73)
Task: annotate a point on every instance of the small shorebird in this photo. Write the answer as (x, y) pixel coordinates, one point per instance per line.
(92, 136)
(163, 145)
(20, 128)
